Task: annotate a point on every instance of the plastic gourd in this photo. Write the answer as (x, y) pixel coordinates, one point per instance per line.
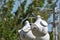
(40, 29)
(26, 34)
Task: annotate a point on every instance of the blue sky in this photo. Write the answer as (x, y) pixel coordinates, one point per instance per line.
(17, 4)
(28, 2)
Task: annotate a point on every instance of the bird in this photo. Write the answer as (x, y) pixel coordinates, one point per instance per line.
(25, 32)
(40, 29)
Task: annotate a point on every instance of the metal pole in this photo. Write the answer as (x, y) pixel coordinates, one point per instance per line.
(55, 24)
(59, 24)
(54, 38)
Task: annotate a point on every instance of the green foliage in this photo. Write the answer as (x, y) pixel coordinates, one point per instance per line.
(51, 35)
(49, 1)
(9, 5)
(44, 15)
(38, 3)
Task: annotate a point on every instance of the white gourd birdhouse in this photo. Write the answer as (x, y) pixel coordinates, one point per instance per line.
(27, 33)
(40, 29)
(37, 22)
(36, 26)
